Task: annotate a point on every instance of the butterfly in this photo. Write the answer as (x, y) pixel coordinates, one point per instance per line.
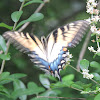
(49, 53)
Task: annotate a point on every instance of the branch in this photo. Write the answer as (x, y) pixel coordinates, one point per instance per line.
(37, 10)
(61, 97)
(83, 50)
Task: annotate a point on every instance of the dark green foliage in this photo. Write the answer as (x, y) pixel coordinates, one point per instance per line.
(56, 13)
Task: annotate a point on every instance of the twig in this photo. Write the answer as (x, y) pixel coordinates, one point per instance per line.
(8, 42)
(19, 10)
(83, 50)
(61, 97)
(37, 10)
(3, 62)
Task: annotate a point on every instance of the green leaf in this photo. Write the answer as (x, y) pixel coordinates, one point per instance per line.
(17, 85)
(16, 15)
(32, 18)
(5, 57)
(21, 0)
(68, 77)
(33, 1)
(81, 85)
(34, 89)
(3, 46)
(96, 76)
(97, 97)
(98, 40)
(95, 64)
(44, 81)
(4, 91)
(93, 34)
(17, 75)
(6, 26)
(4, 75)
(98, 54)
(84, 64)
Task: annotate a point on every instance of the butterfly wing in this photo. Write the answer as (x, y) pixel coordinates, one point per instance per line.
(29, 44)
(61, 39)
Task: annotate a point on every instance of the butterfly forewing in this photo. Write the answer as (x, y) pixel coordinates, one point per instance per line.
(66, 36)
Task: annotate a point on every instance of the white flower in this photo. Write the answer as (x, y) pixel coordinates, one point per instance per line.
(86, 74)
(89, 20)
(93, 28)
(98, 51)
(90, 10)
(95, 18)
(69, 55)
(99, 89)
(91, 1)
(91, 76)
(91, 49)
(98, 32)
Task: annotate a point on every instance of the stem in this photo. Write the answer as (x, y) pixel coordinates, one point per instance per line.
(36, 11)
(3, 62)
(8, 43)
(21, 7)
(61, 97)
(97, 41)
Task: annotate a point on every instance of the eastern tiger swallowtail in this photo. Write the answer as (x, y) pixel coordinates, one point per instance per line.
(49, 53)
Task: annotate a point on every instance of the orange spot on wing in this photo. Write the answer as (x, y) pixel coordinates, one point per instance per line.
(49, 67)
(64, 49)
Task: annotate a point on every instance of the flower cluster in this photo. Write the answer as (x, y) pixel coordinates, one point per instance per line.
(93, 20)
(86, 74)
(68, 58)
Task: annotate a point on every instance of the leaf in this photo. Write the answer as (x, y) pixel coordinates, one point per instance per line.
(68, 77)
(18, 93)
(98, 40)
(81, 85)
(44, 81)
(5, 57)
(32, 18)
(96, 76)
(4, 91)
(95, 64)
(6, 26)
(3, 46)
(4, 75)
(98, 54)
(17, 85)
(93, 34)
(84, 64)
(97, 97)
(16, 15)
(17, 75)
(32, 1)
(34, 89)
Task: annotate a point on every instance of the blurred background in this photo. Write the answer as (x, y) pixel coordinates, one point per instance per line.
(56, 13)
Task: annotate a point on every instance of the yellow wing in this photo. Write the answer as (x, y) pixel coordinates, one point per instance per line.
(27, 44)
(66, 36)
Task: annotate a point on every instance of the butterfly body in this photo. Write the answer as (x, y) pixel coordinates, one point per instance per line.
(50, 53)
